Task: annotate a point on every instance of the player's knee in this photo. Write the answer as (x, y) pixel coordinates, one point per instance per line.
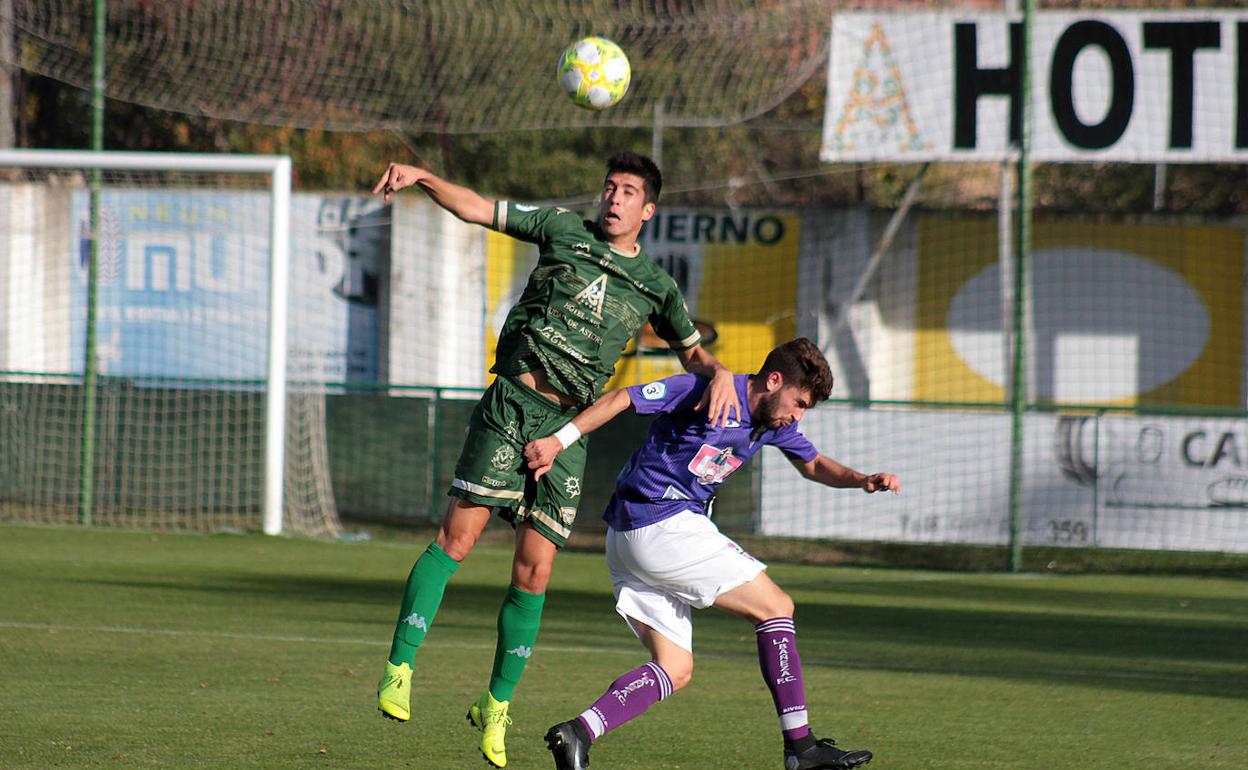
(531, 577)
(461, 528)
(680, 672)
(456, 544)
(780, 605)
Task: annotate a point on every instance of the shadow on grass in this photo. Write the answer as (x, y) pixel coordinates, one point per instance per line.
(1129, 652)
(1055, 593)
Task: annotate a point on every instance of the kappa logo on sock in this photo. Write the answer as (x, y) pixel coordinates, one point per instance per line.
(521, 652)
(416, 620)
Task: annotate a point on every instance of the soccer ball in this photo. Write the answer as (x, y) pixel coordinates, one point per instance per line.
(594, 72)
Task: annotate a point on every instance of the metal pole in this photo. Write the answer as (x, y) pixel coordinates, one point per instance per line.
(1005, 263)
(1018, 392)
(1159, 186)
(877, 254)
(275, 394)
(85, 497)
(656, 136)
(8, 119)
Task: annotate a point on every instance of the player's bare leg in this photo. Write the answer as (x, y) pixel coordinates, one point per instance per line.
(462, 527)
(422, 596)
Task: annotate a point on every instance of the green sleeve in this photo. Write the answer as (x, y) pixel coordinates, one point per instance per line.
(532, 223)
(672, 321)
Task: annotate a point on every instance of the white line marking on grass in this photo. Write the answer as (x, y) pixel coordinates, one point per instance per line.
(176, 632)
(600, 649)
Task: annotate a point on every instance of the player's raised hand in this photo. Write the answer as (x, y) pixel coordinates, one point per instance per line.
(397, 177)
(719, 400)
(540, 454)
(878, 482)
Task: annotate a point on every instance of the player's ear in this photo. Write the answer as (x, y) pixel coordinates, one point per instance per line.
(775, 381)
(647, 211)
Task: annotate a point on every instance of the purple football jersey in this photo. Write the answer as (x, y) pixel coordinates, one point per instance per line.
(684, 458)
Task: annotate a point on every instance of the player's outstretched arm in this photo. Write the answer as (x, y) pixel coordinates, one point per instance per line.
(720, 399)
(540, 453)
(457, 199)
(829, 472)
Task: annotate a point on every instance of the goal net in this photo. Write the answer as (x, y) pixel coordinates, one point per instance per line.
(161, 356)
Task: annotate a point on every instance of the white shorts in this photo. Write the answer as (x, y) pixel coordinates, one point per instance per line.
(662, 571)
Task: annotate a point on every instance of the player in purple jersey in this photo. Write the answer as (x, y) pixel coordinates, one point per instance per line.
(666, 557)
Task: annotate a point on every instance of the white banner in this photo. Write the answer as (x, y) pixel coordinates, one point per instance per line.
(1134, 86)
(1116, 481)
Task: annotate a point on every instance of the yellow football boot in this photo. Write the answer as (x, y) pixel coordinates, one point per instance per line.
(490, 717)
(394, 692)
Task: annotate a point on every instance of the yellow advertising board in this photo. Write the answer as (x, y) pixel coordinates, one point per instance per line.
(1120, 314)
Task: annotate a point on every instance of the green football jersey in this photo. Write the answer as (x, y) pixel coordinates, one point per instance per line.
(583, 302)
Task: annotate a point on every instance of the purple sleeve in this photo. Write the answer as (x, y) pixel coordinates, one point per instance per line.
(791, 441)
(670, 394)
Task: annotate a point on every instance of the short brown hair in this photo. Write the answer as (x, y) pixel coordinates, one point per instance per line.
(801, 363)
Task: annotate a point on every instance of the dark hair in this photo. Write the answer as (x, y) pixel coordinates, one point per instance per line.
(801, 363)
(631, 163)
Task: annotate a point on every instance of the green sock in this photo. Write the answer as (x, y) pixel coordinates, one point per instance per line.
(421, 598)
(519, 619)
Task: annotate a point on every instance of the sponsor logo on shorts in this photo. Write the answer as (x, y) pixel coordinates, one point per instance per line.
(572, 487)
(504, 458)
(496, 483)
(653, 391)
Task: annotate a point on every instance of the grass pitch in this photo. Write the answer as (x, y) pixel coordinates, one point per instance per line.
(123, 650)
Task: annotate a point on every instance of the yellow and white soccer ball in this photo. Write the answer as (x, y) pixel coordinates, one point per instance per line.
(594, 72)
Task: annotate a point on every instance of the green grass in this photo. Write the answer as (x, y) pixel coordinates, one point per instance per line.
(124, 649)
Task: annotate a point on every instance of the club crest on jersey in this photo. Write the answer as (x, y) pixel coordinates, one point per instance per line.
(594, 295)
(653, 391)
(711, 465)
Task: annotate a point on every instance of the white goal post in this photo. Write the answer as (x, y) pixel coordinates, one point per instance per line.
(32, 168)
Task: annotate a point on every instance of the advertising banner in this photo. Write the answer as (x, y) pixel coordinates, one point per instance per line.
(183, 285)
(1134, 86)
(1109, 481)
(1121, 314)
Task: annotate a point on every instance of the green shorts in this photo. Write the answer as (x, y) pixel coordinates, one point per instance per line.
(491, 470)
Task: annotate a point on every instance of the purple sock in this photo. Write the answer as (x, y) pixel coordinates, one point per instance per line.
(782, 668)
(627, 697)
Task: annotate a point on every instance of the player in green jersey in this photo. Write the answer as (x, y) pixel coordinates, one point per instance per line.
(592, 290)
